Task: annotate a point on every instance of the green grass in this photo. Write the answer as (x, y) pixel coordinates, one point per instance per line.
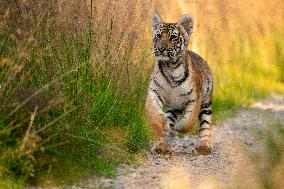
(279, 55)
(11, 183)
(270, 163)
(249, 73)
(68, 137)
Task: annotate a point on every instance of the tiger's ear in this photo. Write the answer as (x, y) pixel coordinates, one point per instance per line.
(186, 22)
(156, 22)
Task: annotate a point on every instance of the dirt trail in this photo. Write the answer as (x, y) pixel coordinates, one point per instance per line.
(227, 166)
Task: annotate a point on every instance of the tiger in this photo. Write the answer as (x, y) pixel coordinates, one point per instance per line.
(181, 86)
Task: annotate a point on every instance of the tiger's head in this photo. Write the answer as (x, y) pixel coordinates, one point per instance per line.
(170, 40)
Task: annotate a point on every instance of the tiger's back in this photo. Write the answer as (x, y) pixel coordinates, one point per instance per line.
(202, 69)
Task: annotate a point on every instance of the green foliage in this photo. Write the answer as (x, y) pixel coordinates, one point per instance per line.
(76, 103)
(137, 139)
(63, 112)
(247, 74)
(279, 55)
(11, 183)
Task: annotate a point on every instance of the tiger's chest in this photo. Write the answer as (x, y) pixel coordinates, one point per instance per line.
(179, 96)
(175, 87)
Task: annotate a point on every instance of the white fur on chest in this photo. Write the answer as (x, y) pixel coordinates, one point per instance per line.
(174, 97)
(178, 73)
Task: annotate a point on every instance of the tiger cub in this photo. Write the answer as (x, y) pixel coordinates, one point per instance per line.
(181, 81)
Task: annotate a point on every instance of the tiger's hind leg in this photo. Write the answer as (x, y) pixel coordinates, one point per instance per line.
(204, 144)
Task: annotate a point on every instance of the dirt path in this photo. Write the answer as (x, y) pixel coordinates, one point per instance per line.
(228, 165)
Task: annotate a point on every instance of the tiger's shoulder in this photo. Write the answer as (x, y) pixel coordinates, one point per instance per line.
(198, 63)
(197, 59)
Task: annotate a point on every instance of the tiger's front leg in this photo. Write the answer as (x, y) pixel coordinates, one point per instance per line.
(159, 121)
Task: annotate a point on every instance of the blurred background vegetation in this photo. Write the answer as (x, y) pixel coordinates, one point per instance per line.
(73, 76)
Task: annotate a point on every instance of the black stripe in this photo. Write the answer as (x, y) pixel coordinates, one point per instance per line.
(179, 82)
(206, 135)
(163, 73)
(188, 93)
(188, 102)
(178, 111)
(172, 112)
(176, 65)
(186, 111)
(171, 119)
(159, 103)
(158, 84)
(158, 96)
(169, 78)
(206, 105)
(202, 129)
(204, 121)
(172, 125)
(172, 26)
(207, 112)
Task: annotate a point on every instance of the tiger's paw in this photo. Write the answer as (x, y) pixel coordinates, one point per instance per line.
(163, 148)
(204, 147)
